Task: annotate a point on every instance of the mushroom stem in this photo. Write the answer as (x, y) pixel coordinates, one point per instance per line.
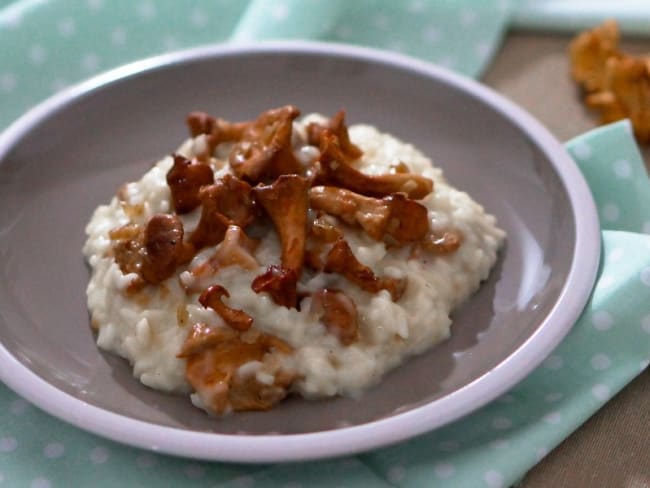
(342, 260)
(286, 202)
(212, 298)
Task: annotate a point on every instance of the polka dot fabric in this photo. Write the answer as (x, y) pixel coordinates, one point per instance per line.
(60, 42)
(56, 43)
(621, 185)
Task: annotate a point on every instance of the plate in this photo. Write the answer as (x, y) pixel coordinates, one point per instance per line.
(70, 154)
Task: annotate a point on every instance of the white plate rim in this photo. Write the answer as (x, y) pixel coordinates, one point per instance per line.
(355, 439)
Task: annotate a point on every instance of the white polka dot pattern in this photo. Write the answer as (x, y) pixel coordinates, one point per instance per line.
(553, 397)
(606, 281)
(444, 471)
(494, 479)
(95, 4)
(552, 418)
(467, 17)
(90, 62)
(146, 10)
(645, 276)
(600, 391)
(54, 450)
(66, 27)
(118, 36)
(616, 255)
(8, 444)
(645, 324)
(540, 453)
(99, 455)
(611, 212)
(395, 474)
(198, 18)
(622, 168)
(40, 483)
(37, 54)
(7, 82)
(600, 362)
(582, 150)
(602, 320)
(499, 444)
(501, 423)
(431, 34)
(244, 482)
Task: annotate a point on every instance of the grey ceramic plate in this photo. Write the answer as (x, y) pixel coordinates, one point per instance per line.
(70, 154)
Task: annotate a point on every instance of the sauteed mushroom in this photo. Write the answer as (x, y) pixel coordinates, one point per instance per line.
(331, 169)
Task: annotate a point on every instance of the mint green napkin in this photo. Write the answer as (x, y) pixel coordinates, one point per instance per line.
(633, 16)
(47, 45)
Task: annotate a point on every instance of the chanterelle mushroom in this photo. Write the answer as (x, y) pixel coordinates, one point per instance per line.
(626, 94)
(338, 313)
(325, 229)
(164, 246)
(337, 127)
(402, 219)
(202, 337)
(331, 169)
(212, 298)
(214, 357)
(217, 130)
(153, 252)
(342, 260)
(589, 54)
(127, 247)
(185, 179)
(286, 203)
(617, 83)
(228, 201)
(236, 249)
(280, 283)
(264, 151)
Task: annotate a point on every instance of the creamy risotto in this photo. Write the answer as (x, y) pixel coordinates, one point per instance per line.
(282, 256)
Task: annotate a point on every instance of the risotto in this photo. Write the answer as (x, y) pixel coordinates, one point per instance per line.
(282, 256)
